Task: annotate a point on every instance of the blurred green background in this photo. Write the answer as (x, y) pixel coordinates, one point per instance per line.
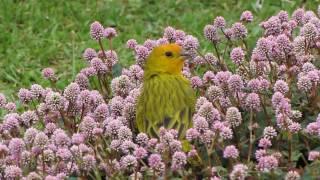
(35, 34)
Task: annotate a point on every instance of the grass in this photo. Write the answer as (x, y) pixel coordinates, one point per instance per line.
(37, 34)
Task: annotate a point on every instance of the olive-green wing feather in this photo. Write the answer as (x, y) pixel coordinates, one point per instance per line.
(166, 100)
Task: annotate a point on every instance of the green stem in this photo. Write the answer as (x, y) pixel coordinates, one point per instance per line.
(43, 165)
(221, 64)
(251, 136)
(210, 65)
(102, 49)
(265, 110)
(247, 49)
(289, 147)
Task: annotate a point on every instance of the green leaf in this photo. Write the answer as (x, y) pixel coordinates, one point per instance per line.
(116, 70)
(312, 171)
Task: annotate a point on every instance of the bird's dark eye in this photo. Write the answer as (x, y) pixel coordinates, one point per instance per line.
(168, 54)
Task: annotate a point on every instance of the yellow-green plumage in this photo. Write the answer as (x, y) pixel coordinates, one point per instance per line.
(167, 98)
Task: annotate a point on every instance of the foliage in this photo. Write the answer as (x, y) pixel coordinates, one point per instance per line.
(256, 112)
(36, 34)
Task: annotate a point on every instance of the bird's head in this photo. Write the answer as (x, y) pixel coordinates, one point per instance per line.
(168, 58)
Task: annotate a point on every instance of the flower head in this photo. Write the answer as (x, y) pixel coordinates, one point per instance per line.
(16, 146)
(210, 33)
(10, 107)
(235, 83)
(281, 86)
(140, 153)
(219, 22)
(64, 154)
(269, 132)
(155, 161)
(88, 162)
(304, 83)
(34, 176)
(141, 53)
(89, 54)
(214, 92)
(196, 82)
(239, 172)
(190, 43)
(297, 15)
(128, 162)
(98, 65)
(54, 101)
(292, 175)
(36, 91)
(28, 118)
(87, 125)
(109, 33)
(111, 58)
(121, 85)
(41, 140)
(272, 26)
(314, 155)
(96, 31)
(71, 92)
(169, 33)
(48, 73)
(239, 30)
(267, 163)
(231, 152)
(131, 43)
(25, 95)
(237, 55)
(12, 172)
(200, 124)
(233, 116)
(264, 142)
(179, 159)
(142, 139)
(192, 134)
(253, 102)
(246, 16)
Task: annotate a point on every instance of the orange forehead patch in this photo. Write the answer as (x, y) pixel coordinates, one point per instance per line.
(166, 47)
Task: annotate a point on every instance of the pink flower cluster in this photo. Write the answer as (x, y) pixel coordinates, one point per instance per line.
(255, 109)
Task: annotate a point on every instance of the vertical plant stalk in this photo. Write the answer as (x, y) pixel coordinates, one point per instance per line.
(237, 139)
(110, 44)
(263, 102)
(184, 176)
(107, 86)
(251, 136)
(102, 49)
(63, 118)
(246, 70)
(135, 175)
(104, 80)
(229, 43)
(166, 175)
(290, 148)
(154, 177)
(271, 69)
(214, 153)
(221, 63)
(210, 65)
(43, 165)
(100, 81)
(247, 49)
(71, 166)
(82, 113)
(209, 154)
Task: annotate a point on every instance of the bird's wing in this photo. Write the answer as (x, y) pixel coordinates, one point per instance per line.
(167, 101)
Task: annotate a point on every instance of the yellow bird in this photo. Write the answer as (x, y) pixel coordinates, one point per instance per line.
(167, 98)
